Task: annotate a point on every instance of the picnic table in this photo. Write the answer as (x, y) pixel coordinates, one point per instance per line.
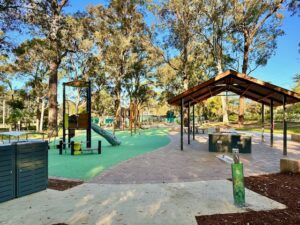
(226, 141)
(18, 134)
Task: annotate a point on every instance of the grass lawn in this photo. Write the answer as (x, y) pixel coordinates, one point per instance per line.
(87, 165)
(293, 127)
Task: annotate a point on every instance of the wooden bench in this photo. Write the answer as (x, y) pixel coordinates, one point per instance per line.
(289, 165)
(296, 137)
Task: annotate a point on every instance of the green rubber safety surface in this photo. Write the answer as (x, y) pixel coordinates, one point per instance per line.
(89, 165)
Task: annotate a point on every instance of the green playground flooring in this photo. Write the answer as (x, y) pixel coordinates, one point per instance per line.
(87, 165)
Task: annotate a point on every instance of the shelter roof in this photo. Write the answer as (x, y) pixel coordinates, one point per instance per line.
(240, 84)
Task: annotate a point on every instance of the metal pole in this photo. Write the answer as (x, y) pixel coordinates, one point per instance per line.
(262, 122)
(89, 109)
(64, 112)
(193, 122)
(272, 123)
(284, 127)
(189, 124)
(181, 124)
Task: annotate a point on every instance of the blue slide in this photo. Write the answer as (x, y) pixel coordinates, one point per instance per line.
(112, 139)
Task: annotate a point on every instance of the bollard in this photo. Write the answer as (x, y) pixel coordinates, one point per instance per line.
(72, 147)
(99, 147)
(237, 170)
(60, 147)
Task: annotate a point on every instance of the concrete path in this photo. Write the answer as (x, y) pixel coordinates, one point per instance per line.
(169, 164)
(147, 204)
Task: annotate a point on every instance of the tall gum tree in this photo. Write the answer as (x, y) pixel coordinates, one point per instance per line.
(179, 17)
(117, 27)
(49, 18)
(257, 24)
(216, 16)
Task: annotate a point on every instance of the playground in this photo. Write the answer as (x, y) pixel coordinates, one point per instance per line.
(88, 165)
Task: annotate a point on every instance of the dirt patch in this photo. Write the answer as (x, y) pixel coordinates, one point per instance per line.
(62, 185)
(283, 188)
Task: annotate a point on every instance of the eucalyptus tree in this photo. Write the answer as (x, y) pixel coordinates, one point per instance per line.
(257, 27)
(117, 27)
(32, 66)
(216, 23)
(49, 19)
(12, 13)
(180, 19)
(138, 81)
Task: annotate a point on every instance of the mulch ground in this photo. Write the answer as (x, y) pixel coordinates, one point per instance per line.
(283, 188)
(62, 185)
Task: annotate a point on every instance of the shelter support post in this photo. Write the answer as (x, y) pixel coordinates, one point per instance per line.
(272, 123)
(181, 124)
(189, 123)
(193, 122)
(262, 122)
(284, 127)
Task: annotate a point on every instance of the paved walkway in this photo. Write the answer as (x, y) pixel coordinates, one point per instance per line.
(169, 164)
(135, 204)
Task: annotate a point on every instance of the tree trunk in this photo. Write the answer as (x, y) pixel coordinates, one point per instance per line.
(52, 95)
(223, 98)
(77, 101)
(244, 70)
(42, 114)
(37, 115)
(241, 111)
(117, 109)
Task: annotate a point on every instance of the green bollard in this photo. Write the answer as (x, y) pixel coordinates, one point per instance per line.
(237, 170)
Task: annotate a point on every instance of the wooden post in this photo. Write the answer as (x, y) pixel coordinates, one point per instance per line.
(284, 127)
(181, 124)
(272, 123)
(262, 122)
(193, 122)
(189, 124)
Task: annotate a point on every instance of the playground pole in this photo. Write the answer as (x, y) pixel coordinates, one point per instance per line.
(89, 109)
(64, 112)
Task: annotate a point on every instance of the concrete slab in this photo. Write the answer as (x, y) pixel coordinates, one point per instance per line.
(111, 204)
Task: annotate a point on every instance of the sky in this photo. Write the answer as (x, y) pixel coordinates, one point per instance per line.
(279, 70)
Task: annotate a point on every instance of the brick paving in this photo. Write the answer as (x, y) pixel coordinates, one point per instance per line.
(195, 163)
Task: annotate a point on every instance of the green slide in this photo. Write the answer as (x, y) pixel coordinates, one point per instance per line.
(112, 139)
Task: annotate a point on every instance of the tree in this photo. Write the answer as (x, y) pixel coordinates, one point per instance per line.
(256, 24)
(116, 28)
(31, 65)
(138, 81)
(49, 18)
(216, 18)
(180, 18)
(12, 13)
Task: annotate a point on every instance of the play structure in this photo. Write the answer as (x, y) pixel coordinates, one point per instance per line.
(81, 121)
